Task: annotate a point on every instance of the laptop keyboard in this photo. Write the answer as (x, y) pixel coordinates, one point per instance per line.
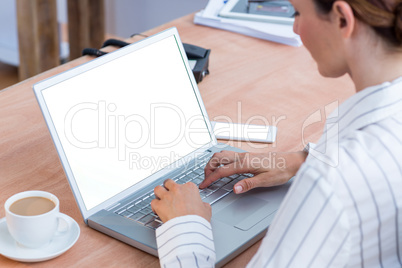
(139, 209)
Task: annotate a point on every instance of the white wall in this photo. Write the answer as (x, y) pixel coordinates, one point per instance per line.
(8, 32)
(125, 17)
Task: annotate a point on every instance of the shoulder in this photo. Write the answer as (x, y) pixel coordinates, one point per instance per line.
(361, 166)
(375, 144)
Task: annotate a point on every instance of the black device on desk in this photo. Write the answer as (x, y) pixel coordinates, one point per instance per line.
(198, 57)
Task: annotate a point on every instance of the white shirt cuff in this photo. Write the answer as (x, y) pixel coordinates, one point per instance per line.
(309, 146)
(185, 235)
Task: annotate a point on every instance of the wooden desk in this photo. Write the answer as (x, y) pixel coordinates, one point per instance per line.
(250, 78)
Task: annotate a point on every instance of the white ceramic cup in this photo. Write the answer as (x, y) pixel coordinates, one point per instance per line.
(38, 230)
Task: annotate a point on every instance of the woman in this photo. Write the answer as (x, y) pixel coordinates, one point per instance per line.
(345, 205)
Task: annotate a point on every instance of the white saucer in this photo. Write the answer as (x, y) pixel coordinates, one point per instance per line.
(60, 244)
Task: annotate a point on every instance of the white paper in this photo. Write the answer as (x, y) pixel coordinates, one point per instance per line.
(280, 33)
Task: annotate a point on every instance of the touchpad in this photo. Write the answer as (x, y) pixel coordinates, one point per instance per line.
(245, 212)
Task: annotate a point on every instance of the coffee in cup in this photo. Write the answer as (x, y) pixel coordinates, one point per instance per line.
(32, 206)
(33, 218)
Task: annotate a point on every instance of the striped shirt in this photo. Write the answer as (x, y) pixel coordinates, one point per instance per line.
(344, 208)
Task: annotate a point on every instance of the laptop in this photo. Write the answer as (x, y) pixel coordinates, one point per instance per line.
(125, 122)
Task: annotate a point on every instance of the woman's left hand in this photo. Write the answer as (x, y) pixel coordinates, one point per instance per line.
(175, 200)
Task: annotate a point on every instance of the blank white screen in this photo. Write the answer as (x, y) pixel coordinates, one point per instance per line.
(124, 120)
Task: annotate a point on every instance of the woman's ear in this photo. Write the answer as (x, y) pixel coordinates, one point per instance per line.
(344, 17)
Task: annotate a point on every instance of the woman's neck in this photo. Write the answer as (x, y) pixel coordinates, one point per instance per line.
(370, 61)
(375, 72)
(373, 63)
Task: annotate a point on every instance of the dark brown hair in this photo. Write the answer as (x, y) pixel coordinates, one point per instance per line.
(384, 16)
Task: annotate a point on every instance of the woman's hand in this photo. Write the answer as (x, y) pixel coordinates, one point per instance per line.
(174, 200)
(269, 169)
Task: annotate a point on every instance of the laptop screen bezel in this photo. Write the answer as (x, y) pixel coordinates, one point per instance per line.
(42, 85)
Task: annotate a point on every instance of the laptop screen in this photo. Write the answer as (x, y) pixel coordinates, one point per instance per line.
(122, 121)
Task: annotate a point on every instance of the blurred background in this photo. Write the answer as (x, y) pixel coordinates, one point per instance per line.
(122, 18)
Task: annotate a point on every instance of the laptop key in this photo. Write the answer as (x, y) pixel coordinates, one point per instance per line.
(147, 201)
(197, 181)
(126, 213)
(144, 220)
(119, 210)
(146, 210)
(181, 181)
(199, 171)
(206, 192)
(192, 176)
(215, 196)
(219, 183)
(154, 224)
(234, 176)
(137, 216)
(225, 180)
(213, 187)
(228, 187)
(134, 208)
(239, 178)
